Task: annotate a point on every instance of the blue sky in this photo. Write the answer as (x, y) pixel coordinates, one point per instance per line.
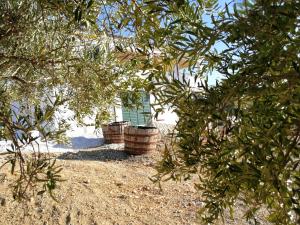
(214, 76)
(219, 46)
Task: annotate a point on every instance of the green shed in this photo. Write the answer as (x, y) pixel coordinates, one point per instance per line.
(139, 116)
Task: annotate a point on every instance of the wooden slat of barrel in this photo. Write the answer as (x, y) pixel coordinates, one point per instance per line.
(114, 132)
(140, 140)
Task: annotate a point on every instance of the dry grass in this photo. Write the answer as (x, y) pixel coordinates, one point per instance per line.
(106, 186)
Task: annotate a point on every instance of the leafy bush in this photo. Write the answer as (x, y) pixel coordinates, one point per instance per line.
(241, 135)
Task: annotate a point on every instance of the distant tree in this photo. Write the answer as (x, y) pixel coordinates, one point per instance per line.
(53, 54)
(241, 135)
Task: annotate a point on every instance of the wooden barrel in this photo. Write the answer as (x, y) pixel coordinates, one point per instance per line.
(114, 132)
(140, 140)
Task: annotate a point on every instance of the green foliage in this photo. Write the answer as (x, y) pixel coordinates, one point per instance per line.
(32, 169)
(53, 55)
(241, 135)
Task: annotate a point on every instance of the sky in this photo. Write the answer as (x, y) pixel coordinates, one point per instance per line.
(219, 46)
(214, 76)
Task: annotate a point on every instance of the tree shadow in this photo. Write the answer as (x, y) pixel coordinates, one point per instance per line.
(103, 154)
(81, 143)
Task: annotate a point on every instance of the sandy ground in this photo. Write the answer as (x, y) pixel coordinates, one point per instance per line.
(106, 186)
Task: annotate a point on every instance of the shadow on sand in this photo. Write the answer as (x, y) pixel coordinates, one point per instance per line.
(101, 154)
(81, 143)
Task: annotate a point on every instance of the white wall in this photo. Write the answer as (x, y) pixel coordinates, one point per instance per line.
(119, 114)
(167, 117)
